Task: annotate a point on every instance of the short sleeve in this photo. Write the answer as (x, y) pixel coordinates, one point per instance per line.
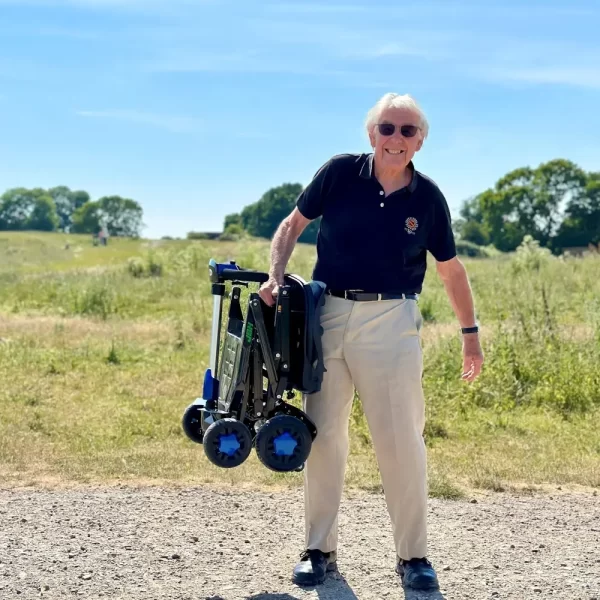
(311, 200)
(441, 243)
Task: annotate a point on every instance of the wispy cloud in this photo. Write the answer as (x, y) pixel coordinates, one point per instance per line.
(586, 77)
(138, 6)
(48, 31)
(320, 9)
(172, 123)
(23, 69)
(351, 39)
(307, 68)
(94, 3)
(510, 60)
(365, 56)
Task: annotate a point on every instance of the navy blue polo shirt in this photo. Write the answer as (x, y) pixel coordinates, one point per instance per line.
(367, 241)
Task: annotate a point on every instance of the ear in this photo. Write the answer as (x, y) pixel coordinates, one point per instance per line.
(420, 144)
(372, 137)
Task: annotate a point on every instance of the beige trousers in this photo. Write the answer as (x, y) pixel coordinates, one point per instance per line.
(375, 347)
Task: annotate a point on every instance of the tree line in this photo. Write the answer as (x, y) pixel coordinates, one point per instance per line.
(556, 203)
(262, 218)
(72, 211)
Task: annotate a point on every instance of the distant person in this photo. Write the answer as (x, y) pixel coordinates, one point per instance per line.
(379, 217)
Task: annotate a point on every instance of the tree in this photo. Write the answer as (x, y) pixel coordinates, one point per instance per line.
(232, 219)
(62, 208)
(86, 219)
(501, 219)
(472, 231)
(43, 217)
(581, 226)
(526, 201)
(262, 218)
(122, 217)
(67, 202)
(23, 209)
(557, 183)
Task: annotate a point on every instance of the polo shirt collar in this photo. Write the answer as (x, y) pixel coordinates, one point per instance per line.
(367, 171)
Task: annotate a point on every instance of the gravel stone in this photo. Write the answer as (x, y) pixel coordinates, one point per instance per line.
(224, 543)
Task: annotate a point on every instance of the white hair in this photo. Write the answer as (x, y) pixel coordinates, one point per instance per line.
(391, 100)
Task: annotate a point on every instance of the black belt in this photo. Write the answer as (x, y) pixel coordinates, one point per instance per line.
(369, 296)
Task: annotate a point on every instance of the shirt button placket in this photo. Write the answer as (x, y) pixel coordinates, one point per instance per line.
(381, 193)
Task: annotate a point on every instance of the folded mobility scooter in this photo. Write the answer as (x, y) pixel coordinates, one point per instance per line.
(258, 360)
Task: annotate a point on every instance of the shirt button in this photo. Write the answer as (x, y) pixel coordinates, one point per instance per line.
(381, 204)
(381, 193)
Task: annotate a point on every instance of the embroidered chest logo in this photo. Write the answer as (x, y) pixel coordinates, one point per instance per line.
(411, 225)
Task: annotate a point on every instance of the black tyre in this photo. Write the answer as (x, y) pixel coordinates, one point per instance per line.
(192, 423)
(227, 443)
(283, 443)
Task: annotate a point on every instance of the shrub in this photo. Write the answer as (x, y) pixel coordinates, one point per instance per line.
(467, 248)
(233, 233)
(530, 256)
(152, 267)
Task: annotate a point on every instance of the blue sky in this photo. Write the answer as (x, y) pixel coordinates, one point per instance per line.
(195, 108)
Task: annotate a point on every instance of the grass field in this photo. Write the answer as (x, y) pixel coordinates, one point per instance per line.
(102, 348)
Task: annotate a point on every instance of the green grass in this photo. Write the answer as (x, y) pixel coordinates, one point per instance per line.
(101, 350)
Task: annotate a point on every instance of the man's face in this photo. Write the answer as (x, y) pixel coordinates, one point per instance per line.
(396, 150)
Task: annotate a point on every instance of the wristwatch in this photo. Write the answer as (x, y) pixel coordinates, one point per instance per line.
(474, 329)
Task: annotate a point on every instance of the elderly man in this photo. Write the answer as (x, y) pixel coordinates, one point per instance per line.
(379, 218)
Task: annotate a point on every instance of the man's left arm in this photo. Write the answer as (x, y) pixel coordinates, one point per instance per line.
(456, 282)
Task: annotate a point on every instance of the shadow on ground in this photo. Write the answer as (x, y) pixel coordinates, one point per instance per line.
(337, 588)
(414, 595)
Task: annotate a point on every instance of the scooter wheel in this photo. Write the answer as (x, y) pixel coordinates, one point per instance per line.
(283, 443)
(227, 443)
(192, 423)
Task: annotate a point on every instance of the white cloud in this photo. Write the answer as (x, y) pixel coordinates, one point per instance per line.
(48, 31)
(172, 123)
(308, 8)
(95, 3)
(504, 59)
(137, 6)
(579, 76)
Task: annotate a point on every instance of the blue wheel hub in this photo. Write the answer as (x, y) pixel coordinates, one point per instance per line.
(229, 444)
(285, 444)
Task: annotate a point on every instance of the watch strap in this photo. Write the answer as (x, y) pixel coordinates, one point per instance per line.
(474, 329)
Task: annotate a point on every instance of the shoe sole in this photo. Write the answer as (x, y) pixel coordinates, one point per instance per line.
(305, 583)
(423, 588)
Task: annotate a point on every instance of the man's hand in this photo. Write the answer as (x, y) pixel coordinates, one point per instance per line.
(472, 357)
(269, 290)
(454, 276)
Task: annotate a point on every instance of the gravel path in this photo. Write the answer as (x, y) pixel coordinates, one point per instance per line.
(231, 544)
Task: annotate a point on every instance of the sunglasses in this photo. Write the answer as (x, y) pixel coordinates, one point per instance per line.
(388, 129)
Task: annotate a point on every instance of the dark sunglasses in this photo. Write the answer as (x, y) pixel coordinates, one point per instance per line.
(406, 130)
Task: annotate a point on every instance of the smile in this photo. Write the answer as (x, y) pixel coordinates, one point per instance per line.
(395, 152)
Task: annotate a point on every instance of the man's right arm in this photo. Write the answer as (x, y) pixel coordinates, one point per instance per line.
(282, 246)
(309, 206)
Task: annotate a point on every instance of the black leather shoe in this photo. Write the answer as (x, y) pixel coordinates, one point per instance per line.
(313, 567)
(418, 574)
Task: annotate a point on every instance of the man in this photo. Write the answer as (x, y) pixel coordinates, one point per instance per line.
(379, 218)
